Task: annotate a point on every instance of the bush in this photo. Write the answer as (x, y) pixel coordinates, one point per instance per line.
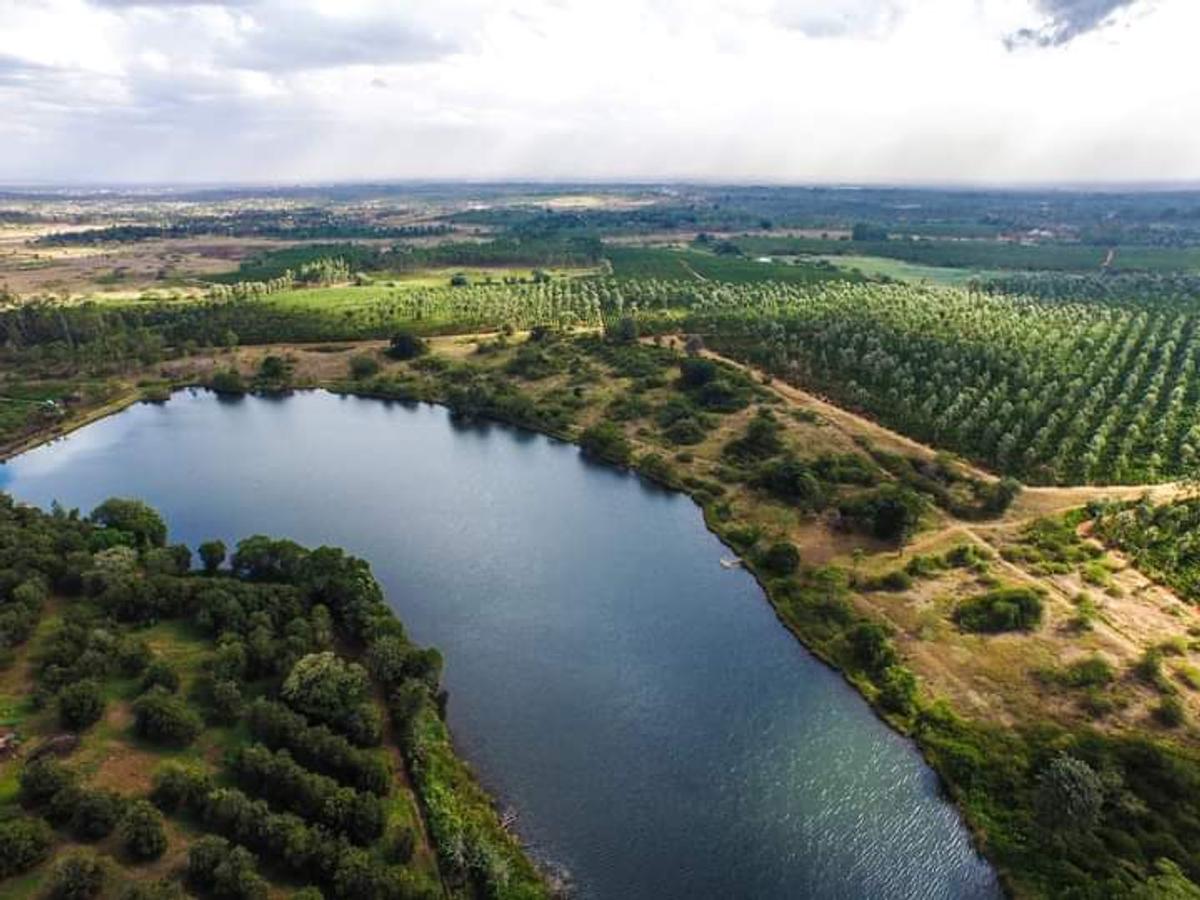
(24, 842)
(142, 831)
(162, 717)
(228, 382)
(41, 779)
(77, 877)
(606, 441)
(160, 673)
(1094, 671)
(177, 787)
(1070, 795)
(363, 366)
(96, 814)
(324, 686)
(1169, 712)
(80, 705)
(781, 558)
(898, 690)
(406, 345)
(1004, 609)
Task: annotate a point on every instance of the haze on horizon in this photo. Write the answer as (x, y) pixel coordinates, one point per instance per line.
(897, 91)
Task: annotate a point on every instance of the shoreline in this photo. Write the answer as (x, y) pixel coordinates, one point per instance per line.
(975, 834)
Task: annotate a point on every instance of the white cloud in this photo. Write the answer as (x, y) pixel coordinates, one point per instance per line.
(789, 90)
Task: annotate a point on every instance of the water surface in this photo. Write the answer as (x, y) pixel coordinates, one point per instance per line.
(657, 730)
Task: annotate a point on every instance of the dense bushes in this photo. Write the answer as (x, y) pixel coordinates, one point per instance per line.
(1003, 609)
(606, 441)
(316, 798)
(80, 705)
(162, 717)
(24, 843)
(318, 748)
(142, 832)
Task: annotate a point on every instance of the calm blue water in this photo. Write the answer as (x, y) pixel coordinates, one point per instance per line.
(657, 730)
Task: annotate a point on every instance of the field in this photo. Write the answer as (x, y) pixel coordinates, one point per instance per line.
(898, 270)
(986, 254)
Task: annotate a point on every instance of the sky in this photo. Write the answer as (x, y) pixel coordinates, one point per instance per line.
(791, 91)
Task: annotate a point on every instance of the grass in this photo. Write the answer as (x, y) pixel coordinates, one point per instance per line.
(899, 270)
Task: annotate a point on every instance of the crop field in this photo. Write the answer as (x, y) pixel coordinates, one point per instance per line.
(899, 270)
(645, 262)
(985, 254)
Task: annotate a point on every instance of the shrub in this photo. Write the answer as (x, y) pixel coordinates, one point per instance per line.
(1169, 712)
(160, 673)
(406, 345)
(142, 831)
(24, 842)
(228, 381)
(781, 558)
(1094, 671)
(162, 717)
(1070, 794)
(325, 686)
(363, 366)
(1003, 609)
(80, 705)
(177, 787)
(898, 690)
(606, 441)
(41, 779)
(96, 814)
(77, 877)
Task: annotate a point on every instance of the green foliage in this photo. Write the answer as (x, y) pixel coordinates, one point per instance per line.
(132, 517)
(95, 813)
(405, 345)
(606, 441)
(164, 718)
(24, 842)
(1069, 794)
(212, 555)
(80, 705)
(1003, 609)
(228, 381)
(781, 558)
(142, 832)
(890, 512)
(324, 686)
(363, 366)
(77, 877)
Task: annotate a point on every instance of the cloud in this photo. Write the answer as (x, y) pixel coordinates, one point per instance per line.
(791, 90)
(821, 19)
(296, 39)
(1067, 20)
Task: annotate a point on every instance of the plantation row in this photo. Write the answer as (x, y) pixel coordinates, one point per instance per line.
(1050, 392)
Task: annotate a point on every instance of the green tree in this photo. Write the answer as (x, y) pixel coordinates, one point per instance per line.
(406, 345)
(212, 555)
(781, 558)
(325, 686)
(77, 877)
(1070, 794)
(80, 705)
(142, 831)
(133, 517)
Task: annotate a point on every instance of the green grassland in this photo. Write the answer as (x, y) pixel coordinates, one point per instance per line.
(899, 270)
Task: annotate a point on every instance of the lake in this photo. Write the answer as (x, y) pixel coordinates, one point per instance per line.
(657, 731)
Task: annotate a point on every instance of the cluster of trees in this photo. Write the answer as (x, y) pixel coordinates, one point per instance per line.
(1163, 540)
(273, 618)
(1001, 609)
